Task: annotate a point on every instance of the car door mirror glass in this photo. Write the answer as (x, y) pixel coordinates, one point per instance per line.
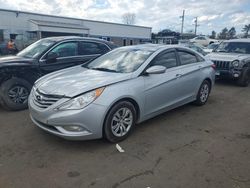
(157, 69)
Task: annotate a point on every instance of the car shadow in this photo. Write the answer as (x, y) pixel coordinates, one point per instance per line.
(92, 145)
(226, 82)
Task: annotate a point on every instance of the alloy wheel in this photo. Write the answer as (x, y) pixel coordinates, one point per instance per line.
(204, 92)
(121, 122)
(18, 94)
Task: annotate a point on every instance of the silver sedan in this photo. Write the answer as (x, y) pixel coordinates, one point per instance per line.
(109, 95)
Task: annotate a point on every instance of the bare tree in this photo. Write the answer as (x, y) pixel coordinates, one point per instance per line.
(128, 18)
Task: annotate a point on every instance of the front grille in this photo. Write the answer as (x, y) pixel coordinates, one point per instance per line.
(44, 100)
(222, 64)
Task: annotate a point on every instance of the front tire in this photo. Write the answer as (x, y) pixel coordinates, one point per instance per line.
(244, 79)
(203, 93)
(120, 121)
(14, 94)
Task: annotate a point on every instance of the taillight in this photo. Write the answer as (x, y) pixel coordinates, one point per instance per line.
(213, 66)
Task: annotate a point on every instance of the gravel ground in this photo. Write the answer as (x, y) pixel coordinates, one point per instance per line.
(190, 147)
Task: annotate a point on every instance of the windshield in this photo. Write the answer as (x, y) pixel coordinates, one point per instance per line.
(234, 47)
(36, 49)
(212, 46)
(123, 60)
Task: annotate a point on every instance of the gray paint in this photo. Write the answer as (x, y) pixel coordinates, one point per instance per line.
(154, 94)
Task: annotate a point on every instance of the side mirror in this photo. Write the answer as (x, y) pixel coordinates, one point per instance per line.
(51, 56)
(157, 69)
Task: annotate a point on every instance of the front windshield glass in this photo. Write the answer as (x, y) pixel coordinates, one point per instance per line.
(212, 46)
(36, 49)
(123, 60)
(234, 47)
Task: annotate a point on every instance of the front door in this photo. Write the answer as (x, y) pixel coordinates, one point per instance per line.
(160, 89)
(66, 56)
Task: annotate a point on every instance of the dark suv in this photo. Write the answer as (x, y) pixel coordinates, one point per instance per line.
(18, 73)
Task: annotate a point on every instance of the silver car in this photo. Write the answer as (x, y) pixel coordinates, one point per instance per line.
(109, 95)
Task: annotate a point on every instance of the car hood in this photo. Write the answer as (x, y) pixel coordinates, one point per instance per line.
(208, 50)
(77, 80)
(10, 60)
(227, 56)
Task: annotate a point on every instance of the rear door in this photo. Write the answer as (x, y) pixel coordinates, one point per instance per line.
(191, 74)
(89, 50)
(67, 56)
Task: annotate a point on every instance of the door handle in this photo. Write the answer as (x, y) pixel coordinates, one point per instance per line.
(178, 75)
(200, 67)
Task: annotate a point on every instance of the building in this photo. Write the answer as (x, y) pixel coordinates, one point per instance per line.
(27, 27)
(165, 40)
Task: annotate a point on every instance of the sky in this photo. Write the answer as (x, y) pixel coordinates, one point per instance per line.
(158, 14)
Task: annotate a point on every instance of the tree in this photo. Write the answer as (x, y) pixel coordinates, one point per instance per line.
(223, 34)
(231, 33)
(128, 18)
(213, 36)
(246, 29)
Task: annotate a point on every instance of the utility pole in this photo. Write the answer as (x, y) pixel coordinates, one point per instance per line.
(182, 22)
(196, 25)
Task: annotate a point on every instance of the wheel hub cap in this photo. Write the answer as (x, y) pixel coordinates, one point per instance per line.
(121, 122)
(18, 94)
(204, 93)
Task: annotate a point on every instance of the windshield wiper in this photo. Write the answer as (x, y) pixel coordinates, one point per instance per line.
(103, 69)
(221, 51)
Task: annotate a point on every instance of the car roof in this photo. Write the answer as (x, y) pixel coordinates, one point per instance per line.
(157, 47)
(238, 40)
(152, 47)
(62, 38)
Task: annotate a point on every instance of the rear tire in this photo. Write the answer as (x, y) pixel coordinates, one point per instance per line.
(244, 79)
(14, 94)
(119, 121)
(203, 93)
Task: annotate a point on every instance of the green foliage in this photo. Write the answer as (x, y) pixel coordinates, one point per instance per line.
(223, 34)
(213, 36)
(246, 30)
(227, 34)
(231, 33)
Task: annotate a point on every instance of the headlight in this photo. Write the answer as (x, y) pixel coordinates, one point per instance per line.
(81, 101)
(235, 63)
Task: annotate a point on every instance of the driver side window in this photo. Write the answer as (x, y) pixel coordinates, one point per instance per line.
(66, 49)
(167, 60)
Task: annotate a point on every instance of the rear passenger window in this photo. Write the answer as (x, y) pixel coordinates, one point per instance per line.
(167, 60)
(91, 48)
(187, 58)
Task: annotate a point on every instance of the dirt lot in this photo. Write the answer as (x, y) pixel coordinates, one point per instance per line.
(190, 147)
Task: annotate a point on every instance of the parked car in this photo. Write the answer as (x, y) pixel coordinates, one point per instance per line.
(232, 60)
(203, 40)
(194, 46)
(18, 73)
(211, 47)
(109, 95)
